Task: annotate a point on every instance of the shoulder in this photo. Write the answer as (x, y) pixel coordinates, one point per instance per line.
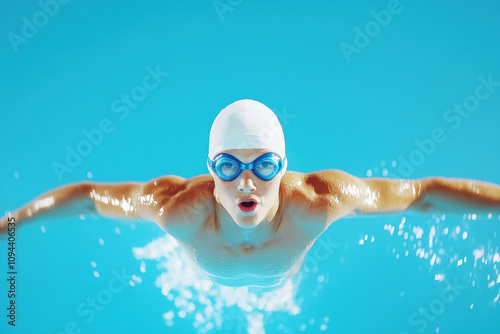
(329, 192)
(172, 192)
(169, 186)
(180, 200)
(311, 185)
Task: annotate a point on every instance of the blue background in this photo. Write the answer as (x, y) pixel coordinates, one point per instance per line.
(358, 113)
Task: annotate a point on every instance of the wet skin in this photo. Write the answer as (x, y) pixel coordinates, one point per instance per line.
(265, 246)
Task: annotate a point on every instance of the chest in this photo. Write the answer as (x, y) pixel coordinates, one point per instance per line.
(235, 263)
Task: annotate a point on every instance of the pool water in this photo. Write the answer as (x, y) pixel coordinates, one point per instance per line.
(127, 92)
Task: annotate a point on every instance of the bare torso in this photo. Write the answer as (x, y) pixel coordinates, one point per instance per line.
(262, 263)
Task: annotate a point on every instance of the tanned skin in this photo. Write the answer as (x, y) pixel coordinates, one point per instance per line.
(267, 246)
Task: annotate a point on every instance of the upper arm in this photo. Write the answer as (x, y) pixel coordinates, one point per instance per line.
(155, 200)
(391, 195)
(341, 194)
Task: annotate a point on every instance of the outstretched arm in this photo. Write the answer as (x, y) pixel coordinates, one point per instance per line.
(129, 200)
(435, 194)
(343, 194)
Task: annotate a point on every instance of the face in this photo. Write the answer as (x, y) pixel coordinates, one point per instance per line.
(248, 199)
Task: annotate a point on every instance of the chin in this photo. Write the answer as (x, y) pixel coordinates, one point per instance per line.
(247, 222)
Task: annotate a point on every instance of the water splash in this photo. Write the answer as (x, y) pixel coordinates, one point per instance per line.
(450, 246)
(210, 305)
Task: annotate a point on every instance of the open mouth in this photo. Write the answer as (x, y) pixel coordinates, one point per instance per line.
(247, 205)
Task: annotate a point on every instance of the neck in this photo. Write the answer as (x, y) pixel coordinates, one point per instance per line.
(236, 235)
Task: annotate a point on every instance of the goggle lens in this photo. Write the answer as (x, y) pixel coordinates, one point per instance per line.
(266, 168)
(227, 167)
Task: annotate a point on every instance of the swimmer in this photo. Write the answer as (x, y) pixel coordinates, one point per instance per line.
(250, 222)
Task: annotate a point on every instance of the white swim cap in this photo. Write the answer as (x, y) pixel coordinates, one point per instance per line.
(246, 124)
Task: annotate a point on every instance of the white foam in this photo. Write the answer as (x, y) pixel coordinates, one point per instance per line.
(187, 284)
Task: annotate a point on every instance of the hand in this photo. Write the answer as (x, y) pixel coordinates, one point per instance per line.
(4, 221)
(3, 224)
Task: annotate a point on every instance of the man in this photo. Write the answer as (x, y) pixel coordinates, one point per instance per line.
(249, 222)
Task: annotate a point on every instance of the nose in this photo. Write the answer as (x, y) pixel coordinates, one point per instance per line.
(246, 184)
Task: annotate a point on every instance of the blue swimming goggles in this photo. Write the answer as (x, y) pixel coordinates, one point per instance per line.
(265, 167)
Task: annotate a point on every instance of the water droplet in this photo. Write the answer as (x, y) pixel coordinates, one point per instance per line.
(169, 315)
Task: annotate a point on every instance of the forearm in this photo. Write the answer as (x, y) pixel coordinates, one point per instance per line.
(65, 202)
(431, 195)
(458, 196)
